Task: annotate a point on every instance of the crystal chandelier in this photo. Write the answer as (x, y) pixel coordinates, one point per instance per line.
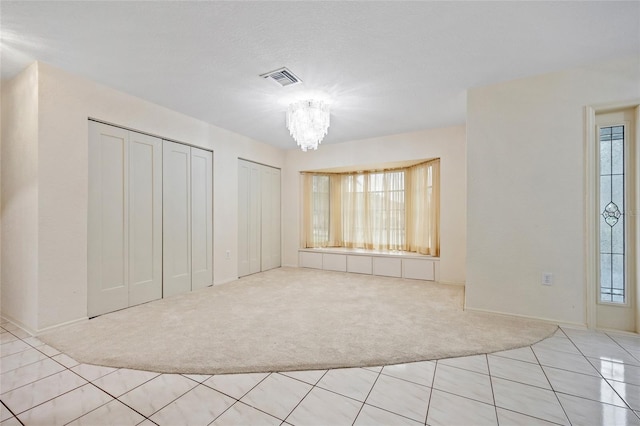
(308, 122)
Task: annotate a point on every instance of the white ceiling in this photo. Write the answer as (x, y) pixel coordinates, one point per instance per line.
(387, 67)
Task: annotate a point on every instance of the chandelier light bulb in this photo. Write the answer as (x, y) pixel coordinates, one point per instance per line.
(308, 122)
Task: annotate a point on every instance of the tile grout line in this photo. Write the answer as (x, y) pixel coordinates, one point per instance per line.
(244, 394)
(537, 363)
(13, 415)
(433, 381)
(549, 381)
(357, 400)
(69, 391)
(493, 394)
(42, 378)
(510, 380)
(284, 420)
(533, 417)
(115, 398)
(347, 396)
(582, 355)
(237, 400)
(248, 405)
(159, 409)
(622, 347)
(602, 378)
(366, 397)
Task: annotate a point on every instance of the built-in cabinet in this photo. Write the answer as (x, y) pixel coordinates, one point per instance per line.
(375, 263)
(150, 218)
(258, 218)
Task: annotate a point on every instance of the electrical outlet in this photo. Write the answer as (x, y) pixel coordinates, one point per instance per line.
(228, 254)
(547, 278)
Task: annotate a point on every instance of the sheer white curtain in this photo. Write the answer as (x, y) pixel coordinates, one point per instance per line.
(381, 210)
(335, 211)
(353, 206)
(316, 212)
(373, 213)
(423, 208)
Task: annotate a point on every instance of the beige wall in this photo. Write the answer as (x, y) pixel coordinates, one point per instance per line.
(60, 184)
(20, 197)
(448, 144)
(0, 197)
(525, 180)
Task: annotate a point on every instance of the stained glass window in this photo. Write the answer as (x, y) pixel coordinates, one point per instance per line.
(612, 218)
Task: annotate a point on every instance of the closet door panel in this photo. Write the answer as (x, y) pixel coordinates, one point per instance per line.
(255, 227)
(201, 218)
(145, 218)
(270, 183)
(108, 254)
(275, 219)
(266, 194)
(176, 191)
(243, 218)
(258, 218)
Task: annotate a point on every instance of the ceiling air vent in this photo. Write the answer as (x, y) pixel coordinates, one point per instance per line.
(282, 76)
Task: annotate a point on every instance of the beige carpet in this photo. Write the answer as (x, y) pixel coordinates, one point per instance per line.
(294, 319)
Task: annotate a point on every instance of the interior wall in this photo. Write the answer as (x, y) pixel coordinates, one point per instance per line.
(0, 197)
(66, 102)
(525, 179)
(448, 144)
(19, 214)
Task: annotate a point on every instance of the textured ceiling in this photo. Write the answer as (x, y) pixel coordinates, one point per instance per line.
(386, 67)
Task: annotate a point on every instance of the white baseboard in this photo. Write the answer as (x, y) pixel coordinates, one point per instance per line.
(547, 320)
(20, 324)
(36, 332)
(225, 281)
(462, 284)
(611, 330)
(53, 327)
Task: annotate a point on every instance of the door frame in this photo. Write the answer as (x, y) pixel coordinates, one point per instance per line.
(591, 206)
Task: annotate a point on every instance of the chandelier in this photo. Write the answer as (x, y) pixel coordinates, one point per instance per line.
(308, 122)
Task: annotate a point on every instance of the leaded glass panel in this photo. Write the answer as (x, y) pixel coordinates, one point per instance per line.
(612, 218)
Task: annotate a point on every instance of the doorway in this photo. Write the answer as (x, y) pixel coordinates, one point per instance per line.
(613, 213)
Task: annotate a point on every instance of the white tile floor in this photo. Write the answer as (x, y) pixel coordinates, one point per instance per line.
(576, 377)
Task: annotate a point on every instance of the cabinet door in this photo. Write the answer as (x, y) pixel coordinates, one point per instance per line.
(176, 192)
(418, 269)
(360, 264)
(108, 219)
(310, 260)
(334, 262)
(201, 218)
(145, 218)
(389, 267)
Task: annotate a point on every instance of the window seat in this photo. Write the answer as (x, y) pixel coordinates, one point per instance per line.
(372, 262)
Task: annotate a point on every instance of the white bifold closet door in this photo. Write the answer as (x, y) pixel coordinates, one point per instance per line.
(258, 217)
(124, 219)
(188, 218)
(150, 218)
